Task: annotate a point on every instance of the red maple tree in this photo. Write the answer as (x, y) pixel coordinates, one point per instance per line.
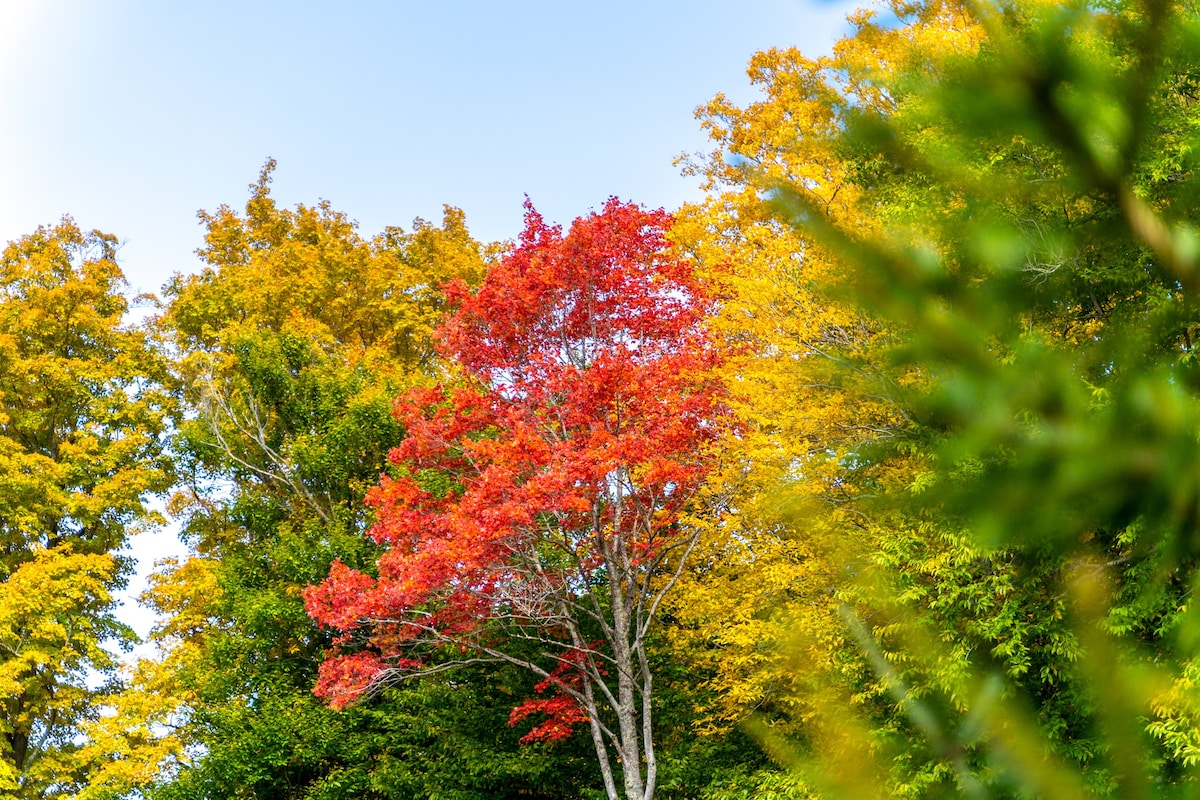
(534, 516)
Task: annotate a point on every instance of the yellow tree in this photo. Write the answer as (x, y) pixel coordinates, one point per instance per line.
(804, 370)
(82, 414)
(1019, 215)
(292, 343)
(1036, 255)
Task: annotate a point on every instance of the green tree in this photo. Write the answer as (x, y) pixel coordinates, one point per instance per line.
(291, 344)
(962, 248)
(1023, 596)
(82, 424)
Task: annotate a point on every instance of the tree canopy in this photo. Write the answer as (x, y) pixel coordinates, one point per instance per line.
(540, 506)
(870, 473)
(82, 424)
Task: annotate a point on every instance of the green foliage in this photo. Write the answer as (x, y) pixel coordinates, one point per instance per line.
(958, 267)
(1023, 597)
(291, 346)
(433, 740)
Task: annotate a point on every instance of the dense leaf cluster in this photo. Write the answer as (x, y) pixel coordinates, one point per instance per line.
(872, 474)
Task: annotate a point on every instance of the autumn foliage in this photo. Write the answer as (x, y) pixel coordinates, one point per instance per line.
(873, 474)
(541, 500)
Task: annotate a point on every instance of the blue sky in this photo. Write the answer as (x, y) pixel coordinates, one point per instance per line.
(131, 115)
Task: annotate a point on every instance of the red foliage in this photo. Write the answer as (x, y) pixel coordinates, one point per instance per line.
(562, 711)
(567, 462)
(345, 678)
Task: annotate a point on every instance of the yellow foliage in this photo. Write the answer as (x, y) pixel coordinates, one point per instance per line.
(801, 372)
(82, 417)
(292, 344)
(308, 271)
(52, 629)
